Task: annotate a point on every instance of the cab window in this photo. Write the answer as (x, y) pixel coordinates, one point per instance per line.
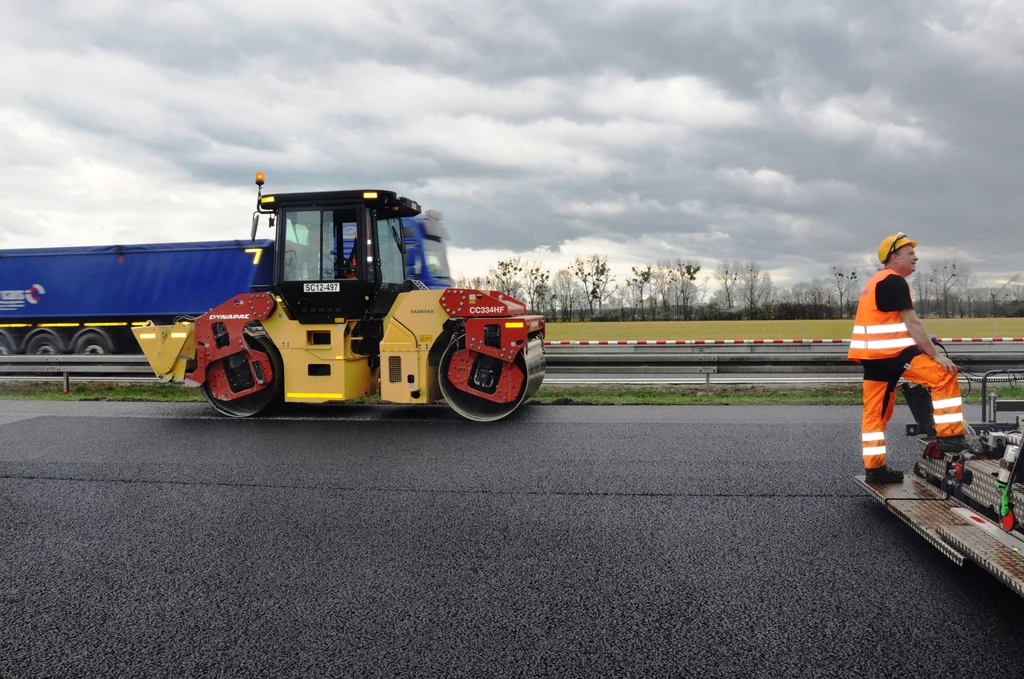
(301, 245)
(389, 237)
(319, 245)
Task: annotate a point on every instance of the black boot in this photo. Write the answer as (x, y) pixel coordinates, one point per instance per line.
(883, 475)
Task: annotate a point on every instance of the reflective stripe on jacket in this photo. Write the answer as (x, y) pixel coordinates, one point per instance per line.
(877, 334)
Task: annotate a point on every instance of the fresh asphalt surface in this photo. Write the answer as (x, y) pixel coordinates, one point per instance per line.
(161, 540)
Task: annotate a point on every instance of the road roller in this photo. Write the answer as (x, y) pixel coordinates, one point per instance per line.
(341, 321)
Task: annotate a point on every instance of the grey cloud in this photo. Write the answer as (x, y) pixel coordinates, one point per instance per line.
(957, 181)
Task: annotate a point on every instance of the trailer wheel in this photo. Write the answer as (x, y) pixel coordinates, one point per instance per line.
(93, 343)
(44, 343)
(6, 346)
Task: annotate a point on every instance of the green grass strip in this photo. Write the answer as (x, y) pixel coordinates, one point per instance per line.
(554, 395)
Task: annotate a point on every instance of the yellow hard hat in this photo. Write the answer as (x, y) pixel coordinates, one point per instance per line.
(891, 244)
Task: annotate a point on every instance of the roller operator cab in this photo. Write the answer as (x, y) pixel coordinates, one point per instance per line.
(340, 321)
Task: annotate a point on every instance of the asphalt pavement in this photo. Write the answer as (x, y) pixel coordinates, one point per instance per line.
(161, 540)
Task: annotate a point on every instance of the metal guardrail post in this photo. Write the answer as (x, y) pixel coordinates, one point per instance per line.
(984, 389)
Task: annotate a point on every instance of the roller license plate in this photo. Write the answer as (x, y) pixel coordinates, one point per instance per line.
(320, 287)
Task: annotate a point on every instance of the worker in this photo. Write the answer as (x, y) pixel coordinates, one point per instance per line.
(890, 342)
(351, 266)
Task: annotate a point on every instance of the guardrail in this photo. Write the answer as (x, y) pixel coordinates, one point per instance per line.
(706, 357)
(66, 365)
(751, 356)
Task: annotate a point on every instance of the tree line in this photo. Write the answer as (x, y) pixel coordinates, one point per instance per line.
(680, 290)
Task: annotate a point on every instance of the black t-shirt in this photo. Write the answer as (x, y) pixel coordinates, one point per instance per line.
(893, 294)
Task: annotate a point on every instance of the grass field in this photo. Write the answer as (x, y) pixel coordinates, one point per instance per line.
(840, 329)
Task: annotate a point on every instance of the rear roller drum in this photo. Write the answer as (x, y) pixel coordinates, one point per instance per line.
(484, 375)
(262, 401)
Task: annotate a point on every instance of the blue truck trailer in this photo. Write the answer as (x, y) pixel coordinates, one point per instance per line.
(85, 300)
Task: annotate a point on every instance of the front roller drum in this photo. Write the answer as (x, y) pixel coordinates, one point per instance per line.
(486, 389)
(246, 375)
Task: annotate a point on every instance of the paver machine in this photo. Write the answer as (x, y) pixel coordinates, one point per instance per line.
(341, 321)
(969, 504)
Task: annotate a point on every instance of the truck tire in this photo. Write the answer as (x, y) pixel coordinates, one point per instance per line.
(6, 345)
(94, 343)
(44, 343)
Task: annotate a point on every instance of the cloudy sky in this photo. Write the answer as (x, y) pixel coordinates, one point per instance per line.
(796, 134)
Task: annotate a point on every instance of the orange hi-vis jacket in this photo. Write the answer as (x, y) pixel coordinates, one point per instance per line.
(877, 334)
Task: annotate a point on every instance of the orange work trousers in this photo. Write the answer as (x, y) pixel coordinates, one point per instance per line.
(947, 406)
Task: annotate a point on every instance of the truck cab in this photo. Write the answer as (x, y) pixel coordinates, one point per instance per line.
(426, 256)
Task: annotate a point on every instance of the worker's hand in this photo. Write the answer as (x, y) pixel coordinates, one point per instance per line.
(946, 364)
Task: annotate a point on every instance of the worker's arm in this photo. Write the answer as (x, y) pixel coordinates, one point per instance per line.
(916, 328)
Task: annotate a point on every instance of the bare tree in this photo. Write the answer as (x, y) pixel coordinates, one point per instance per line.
(474, 282)
(702, 291)
(967, 285)
(819, 296)
(755, 286)
(727, 273)
(626, 295)
(767, 294)
(640, 281)
(846, 284)
(799, 293)
(920, 285)
(595, 275)
(688, 270)
(996, 295)
(944, 274)
(586, 278)
(663, 289)
(1017, 290)
(507, 276)
(602, 278)
(564, 288)
(536, 282)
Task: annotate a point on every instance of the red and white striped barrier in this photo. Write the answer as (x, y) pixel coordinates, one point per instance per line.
(981, 339)
(756, 341)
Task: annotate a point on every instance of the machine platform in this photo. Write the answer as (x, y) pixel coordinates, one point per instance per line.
(981, 492)
(954, 528)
